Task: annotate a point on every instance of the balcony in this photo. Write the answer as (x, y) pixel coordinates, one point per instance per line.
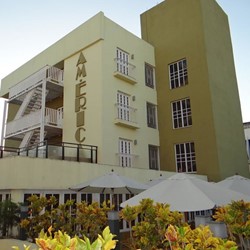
(124, 71)
(52, 75)
(126, 160)
(126, 116)
(53, 118)
(58, 151)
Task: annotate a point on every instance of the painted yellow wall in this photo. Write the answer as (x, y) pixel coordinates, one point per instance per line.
(184, 29)
(142, 52)
(101, 90)
(45, 174)
(224, 92)
(93, 95)
(96, 41)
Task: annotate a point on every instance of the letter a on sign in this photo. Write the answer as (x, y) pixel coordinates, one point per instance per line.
(81, 72)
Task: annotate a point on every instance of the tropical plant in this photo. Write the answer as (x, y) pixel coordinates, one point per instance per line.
(9, 216)
(160, 228)
(153, 220)
(201, 238)
(40, 218)
(91, 219)
(72, 218)
(62, 241)
(236, 216)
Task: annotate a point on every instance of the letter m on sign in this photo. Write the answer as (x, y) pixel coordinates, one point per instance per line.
(81, 71)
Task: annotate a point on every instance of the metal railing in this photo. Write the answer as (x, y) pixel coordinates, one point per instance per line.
(126, 160)
(126, 113)
(60, 151)
(125, 68)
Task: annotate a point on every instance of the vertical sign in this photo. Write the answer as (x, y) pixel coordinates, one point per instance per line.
(80, 99)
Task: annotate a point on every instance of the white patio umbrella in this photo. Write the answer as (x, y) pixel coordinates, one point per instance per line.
(111, 183)
(237, 183)
(153, 182)
(186, 193)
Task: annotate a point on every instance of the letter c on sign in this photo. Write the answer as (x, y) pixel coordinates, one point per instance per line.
(79, 134)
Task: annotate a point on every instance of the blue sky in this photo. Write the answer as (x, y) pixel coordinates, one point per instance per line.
(30, 26)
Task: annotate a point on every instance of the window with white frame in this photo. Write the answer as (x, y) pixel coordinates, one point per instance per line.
(5, 196)
(27, 202)
(70, 197)
(87, 198)
(26, 197)
(123, 106)
(149, 75)
(125, 149)
(181, 113)
(178, 75)
(185, 157)
(153, 157)
(52, 196)
(122, 63)
(151, 115)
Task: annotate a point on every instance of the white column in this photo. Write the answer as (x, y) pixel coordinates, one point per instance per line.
(42, 119)
(3, 110)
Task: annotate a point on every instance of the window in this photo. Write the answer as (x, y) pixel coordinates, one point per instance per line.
(149, 75)
(70, 197)
(54, 198)
(178, 74)
(27, 196)
(122, 61)
(123, 106)
(125, 157)
(87, 198)
(185, 157)
(181, 113)
(26, 201)
(114, 199)
(5, 196)
(153, 157)
(151, 115)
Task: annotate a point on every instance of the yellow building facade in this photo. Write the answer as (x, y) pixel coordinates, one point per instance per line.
(94, 94)
(199, 111)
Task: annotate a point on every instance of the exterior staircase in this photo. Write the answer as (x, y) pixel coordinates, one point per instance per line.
(33, 119)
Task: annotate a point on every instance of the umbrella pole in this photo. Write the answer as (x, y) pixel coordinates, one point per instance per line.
(114, 225)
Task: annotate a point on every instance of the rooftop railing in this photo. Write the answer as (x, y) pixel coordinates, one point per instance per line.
(59, 151)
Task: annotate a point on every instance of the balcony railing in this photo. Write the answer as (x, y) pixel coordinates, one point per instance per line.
(54, 117)
(28, 122)
(127, 160)
(23, 124)
(246, 125)
(52, 74)
(125, 71)
(126, 116)
(60, 151)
